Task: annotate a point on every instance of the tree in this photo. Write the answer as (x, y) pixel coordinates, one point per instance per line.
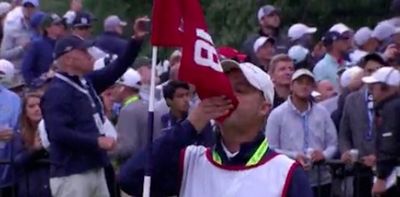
(231, 21)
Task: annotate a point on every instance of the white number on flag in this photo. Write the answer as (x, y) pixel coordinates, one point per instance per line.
(204, 52)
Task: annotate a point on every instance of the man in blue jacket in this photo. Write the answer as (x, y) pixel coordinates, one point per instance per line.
(111, 40)
(39, 57)
(240, 164)
(74, 116)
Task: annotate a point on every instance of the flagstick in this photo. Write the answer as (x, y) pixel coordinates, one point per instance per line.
(150, 126)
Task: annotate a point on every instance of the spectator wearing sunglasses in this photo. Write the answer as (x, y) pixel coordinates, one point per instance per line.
(338, 42)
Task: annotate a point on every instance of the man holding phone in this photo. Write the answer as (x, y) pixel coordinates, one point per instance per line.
(78, 152)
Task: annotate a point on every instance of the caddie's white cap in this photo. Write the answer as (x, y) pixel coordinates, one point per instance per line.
(261, 41)
(298, 30)
(7, 71)
(362, 36)
(254, 75)
(387, 75)
(131, 78)
(349, 74)
(340, 28)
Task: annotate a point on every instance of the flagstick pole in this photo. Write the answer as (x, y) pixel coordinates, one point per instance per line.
(150, 126)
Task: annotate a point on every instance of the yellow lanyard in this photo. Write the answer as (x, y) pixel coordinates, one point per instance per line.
(131, 100)
(256, 158)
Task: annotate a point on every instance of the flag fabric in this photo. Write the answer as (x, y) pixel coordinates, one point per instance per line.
(200, 63)
(166, 23)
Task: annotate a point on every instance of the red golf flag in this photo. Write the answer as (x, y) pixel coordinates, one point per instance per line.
(200, 61)
(181, 23)
(166, 23)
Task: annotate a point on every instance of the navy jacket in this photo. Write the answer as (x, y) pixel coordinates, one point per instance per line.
(111, 42)
(388, 135)
(69, 116)
(206, 138)
(165, 164)
(38, 58)
(33, 170)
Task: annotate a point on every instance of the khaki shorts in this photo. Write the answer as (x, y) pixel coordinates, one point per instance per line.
(89, 184)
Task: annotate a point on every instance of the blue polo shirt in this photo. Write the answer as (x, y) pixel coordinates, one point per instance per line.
(327, 69)
(10, 108)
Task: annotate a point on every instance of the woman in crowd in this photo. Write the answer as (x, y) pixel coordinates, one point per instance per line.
(30, 157)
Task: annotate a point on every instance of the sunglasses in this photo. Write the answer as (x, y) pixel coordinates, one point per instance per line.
(345, 38)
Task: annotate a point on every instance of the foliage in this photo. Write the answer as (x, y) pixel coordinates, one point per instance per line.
(231, 21)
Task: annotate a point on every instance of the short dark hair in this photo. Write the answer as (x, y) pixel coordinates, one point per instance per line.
(171, 87)
(372, 57)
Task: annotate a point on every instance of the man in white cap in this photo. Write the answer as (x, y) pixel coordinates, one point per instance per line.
(264, 49)
(132, 120)
(345, 33)
(338, 45)
(111, 40)
(357, 126)
(365, 44)
(301, 34)
(304, 131)
(301, 57)
(241, 155)
(382, 35)
(10, 107)
(385, 85)
(269, 24)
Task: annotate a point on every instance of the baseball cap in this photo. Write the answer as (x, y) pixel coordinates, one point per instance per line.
(254, 75)
(82, 19)
(383, 31)
(7, 71)
(113, 21)
(4, 8)
(362, 36)
(266, 10)
(36, 19)
(340, 28)
(130, 78)
(34, 3)
(261, 41)
(298, 30)
(302, 72)
(387, 75)
(69, 43)
(349, 74)
(51, 19)
(298, 53)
